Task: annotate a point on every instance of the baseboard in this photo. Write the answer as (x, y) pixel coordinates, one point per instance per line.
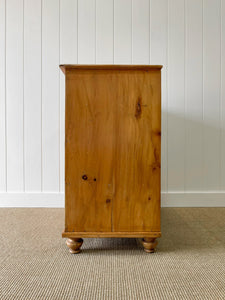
(193, 199)
(31, 199)
(171, 199)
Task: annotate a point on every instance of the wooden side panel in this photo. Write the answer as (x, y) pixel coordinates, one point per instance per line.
(113, 131)
(136, 205)
(89, 150)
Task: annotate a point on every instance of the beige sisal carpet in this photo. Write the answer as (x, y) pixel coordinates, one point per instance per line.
(189, 263)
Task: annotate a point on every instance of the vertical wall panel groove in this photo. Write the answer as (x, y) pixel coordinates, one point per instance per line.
(203, 106)
(41, 98)
(86, 32)
(2, 96)
(185, 91)
(60, 116)
(14, 92)
(222, 36)
(50, 94)
(158, 55)
(220, 108)
(221, 116)
(113, 31)
(211, 142)
(104, 31)
(77, 28)
(149, 21)
(176, 104)
(131, 37)
(95, 32)
(32, 95)
(68, 55)
(122, 32)
(193, 96)
(140, 31)
(23, 102)
(167, 94)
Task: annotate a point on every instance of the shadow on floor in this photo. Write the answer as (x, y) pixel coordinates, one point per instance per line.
(182, 229)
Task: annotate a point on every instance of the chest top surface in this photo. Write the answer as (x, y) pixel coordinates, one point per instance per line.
(109, 67)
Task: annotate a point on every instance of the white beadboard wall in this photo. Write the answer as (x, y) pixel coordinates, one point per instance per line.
(186, 36)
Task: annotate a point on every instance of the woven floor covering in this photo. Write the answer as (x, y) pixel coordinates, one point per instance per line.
(36, 264)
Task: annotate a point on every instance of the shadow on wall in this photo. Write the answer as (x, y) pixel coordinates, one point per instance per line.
(193, 150)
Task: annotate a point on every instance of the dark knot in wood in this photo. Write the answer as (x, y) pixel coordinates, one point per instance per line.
(138, 108)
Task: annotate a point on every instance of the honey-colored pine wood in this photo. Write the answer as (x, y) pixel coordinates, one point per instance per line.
(149, 244)
(112, 151)
(126, 234)
(74, 245)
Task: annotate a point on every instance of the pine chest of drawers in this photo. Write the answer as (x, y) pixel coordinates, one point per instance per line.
(112, 153)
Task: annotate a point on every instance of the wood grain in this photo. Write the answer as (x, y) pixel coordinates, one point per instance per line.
(136, 204)
(74, 245)
(149, 244)
(127, 234)
(112, 146)
(109, 67)
(89, 150)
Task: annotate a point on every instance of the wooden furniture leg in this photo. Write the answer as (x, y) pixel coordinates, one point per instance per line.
(74, 245)
(149, 244)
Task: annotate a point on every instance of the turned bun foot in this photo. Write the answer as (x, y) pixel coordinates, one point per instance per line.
(74, 245)
(149, 244)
